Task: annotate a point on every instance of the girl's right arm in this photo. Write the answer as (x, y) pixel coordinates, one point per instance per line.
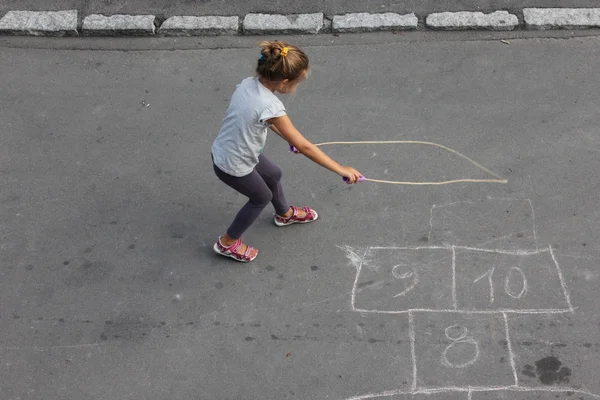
(288, 131)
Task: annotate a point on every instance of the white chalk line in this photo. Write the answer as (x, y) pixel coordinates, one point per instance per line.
(449, 389)
(470, 389)
(497, 311)
(562, 279)
(430, 222)
(510, 350)
(533, 222)
(388, 393)
(353, 295)
(411, 335)
(467, 248)
(454, 297)
(357, 261)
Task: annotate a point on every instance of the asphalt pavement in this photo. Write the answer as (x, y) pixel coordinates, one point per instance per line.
(109, 209)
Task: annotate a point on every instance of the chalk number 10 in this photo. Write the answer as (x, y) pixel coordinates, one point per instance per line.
(512, 274)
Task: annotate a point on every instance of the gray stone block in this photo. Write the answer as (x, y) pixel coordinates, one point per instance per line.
(40, 23)
(282, 24)
(561, 18)
(199, 26)
(498, 21)
(127, 25)
(366, 22)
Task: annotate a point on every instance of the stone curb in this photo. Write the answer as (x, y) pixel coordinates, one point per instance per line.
(65, 23)
(39, 23)
(561, 18)
(498, 20)
(199, 26)
(117, 25)
(282, 24)
(365, 22)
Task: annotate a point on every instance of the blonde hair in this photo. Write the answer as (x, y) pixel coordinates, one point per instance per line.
(277, 64)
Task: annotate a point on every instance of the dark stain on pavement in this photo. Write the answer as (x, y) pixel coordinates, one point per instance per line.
(549, 371)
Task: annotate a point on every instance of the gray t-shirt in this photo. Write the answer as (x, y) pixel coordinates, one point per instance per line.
(244, 130)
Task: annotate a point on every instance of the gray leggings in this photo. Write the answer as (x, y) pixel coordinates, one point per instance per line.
(261, 186)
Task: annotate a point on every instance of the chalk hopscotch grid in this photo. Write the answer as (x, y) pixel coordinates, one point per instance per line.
(469, 390)
(359, 261)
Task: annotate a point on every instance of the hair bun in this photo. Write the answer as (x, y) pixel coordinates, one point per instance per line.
(280, 61)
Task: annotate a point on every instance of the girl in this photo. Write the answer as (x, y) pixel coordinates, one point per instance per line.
(237, 151)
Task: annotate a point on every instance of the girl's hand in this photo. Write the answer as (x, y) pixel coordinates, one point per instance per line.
(351, 174)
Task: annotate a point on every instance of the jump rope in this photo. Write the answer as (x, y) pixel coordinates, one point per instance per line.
(498, 179)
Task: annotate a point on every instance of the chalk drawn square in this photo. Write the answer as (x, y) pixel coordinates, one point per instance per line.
(457, 350)
(509, 281)
(495, 223)
(399, 279)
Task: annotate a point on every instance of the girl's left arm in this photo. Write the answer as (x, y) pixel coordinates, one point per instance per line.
(288, 131)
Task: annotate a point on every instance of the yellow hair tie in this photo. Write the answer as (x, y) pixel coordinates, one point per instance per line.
(284, 51)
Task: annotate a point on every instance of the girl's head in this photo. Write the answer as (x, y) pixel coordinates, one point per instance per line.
(282, 65)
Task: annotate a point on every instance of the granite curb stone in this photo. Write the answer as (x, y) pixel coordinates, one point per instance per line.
(199, 26)
(366, 22)
(283, 24)
(561, 18)
(40, 23)
(119, 24)
(463, 20)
